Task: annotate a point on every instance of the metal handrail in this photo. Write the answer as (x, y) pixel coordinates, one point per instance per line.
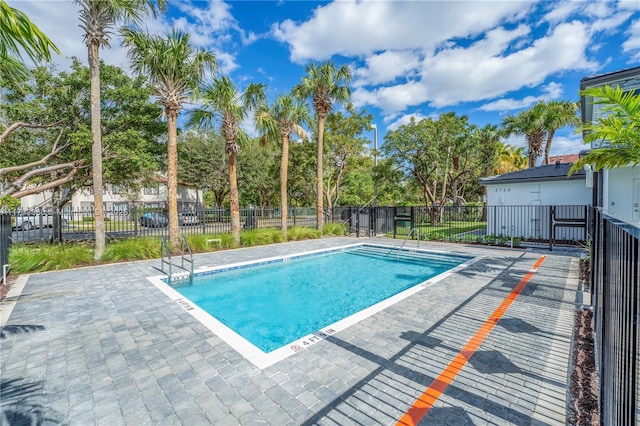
(407, 237)
(360, 209)
(165, 250)
(184, 250)
(185, 244)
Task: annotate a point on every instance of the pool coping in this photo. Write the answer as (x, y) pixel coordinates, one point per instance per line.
(261, 359)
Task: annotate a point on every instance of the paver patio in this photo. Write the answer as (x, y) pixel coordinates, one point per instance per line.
(102, 345)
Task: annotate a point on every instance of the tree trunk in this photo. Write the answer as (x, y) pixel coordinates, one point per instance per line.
(547, 146)
(96, 150)
(533, 159)
(284, 164)
(172, 180)
(319, 176)
(234, 202)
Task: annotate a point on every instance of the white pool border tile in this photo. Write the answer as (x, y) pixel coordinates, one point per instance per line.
(262, 359)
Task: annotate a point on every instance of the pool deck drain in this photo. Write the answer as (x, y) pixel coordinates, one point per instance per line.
(103, 345)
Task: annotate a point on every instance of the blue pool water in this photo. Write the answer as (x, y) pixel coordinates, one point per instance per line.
(273, 304)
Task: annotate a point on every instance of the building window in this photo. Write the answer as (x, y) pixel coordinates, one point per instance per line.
(121, 208)
(152, 190)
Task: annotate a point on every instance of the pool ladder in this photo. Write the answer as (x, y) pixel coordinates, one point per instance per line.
(185, 257)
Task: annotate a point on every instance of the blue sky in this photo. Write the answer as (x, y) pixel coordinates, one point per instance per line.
(484, 59)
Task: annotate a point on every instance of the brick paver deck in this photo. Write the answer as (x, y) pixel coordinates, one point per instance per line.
(103, 346)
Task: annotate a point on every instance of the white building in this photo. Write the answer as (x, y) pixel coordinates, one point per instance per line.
(617, 190)
(519, 204)
(117, 202)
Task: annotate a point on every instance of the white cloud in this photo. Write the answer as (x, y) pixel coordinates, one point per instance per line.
(507, 104)
(633, 42)
(562, 145)
(610, 23)
(394, 98)
(632, 5)
(598, 9)
(386, 67)
(405, 119)
(208, 24)
(561, 11)
(549, 92)
(479, 72)
(356, 27)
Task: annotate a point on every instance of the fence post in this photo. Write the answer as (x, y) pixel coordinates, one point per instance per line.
(412, 222)
(552, 233)
(5, 239)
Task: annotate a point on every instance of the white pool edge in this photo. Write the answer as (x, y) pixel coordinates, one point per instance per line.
(262, 359)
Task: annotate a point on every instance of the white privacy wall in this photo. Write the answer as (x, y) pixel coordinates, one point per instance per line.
(566, 192)
(522, 209)
(619, 196)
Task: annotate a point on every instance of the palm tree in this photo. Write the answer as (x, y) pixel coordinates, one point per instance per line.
(618, 127)
(489, 139)
(97, 19)
(226, 107)
(510, 158)
(175, 68)
(18, 32)
(531, 124)
(325, 86)
(558, 114)
(278, 122)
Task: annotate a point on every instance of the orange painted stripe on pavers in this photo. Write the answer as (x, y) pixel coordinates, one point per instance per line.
(424, 403)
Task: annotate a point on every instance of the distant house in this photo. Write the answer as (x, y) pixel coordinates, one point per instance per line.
(566, 158)
(519, 203)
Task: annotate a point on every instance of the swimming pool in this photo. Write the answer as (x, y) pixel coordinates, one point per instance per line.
(278, 306)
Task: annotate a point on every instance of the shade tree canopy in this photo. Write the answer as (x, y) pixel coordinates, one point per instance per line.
(47, 145)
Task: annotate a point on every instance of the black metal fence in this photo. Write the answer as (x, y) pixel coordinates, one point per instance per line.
(503, 225)
(616, 303)
(470, 224)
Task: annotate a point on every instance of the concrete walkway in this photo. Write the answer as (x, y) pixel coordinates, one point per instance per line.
(104, 346)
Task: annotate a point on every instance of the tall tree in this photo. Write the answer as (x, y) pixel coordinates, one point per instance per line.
(48, 144)
(18, 32)
(531, 124)
(346, 152)
(203, 163)
(97, 18)
(558, 114)
(225, 107)
(326, 86)
(278, 122)
(426, 152)
(258, 169)
(175, 68)
(617, 128)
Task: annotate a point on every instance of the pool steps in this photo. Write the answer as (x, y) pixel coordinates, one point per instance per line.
(406, 255)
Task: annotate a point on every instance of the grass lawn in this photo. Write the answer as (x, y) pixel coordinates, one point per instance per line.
(445, 230)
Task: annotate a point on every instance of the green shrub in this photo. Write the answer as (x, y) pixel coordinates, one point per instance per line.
(337, 229)
(297, 233)
(88, 218)
(43, 258)
(259, 237)
(202, 243)
(132, 249)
